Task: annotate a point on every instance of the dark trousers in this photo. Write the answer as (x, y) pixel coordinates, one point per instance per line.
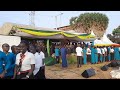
(79, 61)
(57, 59)
(112, 56)
(89, 58)
(41, 73)
(98, 57)
(106, 58)
(24, 75)
(103, 58)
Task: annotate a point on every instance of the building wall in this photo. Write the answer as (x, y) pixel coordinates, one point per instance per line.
(11, 40)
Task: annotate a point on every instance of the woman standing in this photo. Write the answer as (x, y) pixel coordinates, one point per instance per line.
(25, 63)
(101, 55)
(96, 54)
(116, 53)
(84, 55)
(63, 56)
(57, 54)
(108, 53)
(92, 55)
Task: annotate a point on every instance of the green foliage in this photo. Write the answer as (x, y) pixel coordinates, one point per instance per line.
(50, 61)
(117, 30)
(87, 20)
(116, 35)
(72, 59)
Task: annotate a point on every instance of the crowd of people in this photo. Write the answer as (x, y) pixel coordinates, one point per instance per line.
(98, 54)
(26, 61)
(88, 53)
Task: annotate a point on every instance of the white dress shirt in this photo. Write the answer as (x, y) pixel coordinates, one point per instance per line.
(79, 51)
(27, 60)
(99, 51)
(103, 51)
(88, 51)
(112, 50)
(38, 61)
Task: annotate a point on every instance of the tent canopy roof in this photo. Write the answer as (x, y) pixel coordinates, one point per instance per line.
(39, 32)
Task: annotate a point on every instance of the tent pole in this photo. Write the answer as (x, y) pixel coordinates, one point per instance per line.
(48, 47)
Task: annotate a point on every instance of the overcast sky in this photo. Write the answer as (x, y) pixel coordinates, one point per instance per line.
(47, 18)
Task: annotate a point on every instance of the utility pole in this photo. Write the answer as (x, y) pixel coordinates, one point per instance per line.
(61, 19)
(32, 18)
(56, 19)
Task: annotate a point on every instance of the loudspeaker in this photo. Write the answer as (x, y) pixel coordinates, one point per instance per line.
(88, 73)
(118, 63)
(109, 65)
(113, 64)
(104, 68)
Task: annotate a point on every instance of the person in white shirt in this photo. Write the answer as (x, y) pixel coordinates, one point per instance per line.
(39, 71)
(79, 55)
(103, 54)
(99, 53)
(105, 49)
(25, 63)
(112, 53)
(88, 54)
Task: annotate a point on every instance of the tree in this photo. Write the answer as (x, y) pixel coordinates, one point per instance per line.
(116, 35)
(90, 21)
(116, 31)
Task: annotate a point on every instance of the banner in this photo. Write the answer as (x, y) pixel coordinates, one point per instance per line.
(52, 33)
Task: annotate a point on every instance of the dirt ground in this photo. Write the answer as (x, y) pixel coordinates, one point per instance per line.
(72, 72)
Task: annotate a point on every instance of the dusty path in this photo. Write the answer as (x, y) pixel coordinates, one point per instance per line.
(72, 72)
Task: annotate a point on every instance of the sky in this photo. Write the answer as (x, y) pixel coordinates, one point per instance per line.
(47, 19)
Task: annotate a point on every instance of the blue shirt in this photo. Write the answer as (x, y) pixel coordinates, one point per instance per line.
(63, 51)
(3, 60)
(10, 57)
(57, 52)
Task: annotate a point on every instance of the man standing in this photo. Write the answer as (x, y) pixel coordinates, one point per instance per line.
(39, 71)
(9, 57)
(88, 54)
(79, 55)
(112, 53)
(25, 63)
(105, 49)
(4, 65)
(99, 54)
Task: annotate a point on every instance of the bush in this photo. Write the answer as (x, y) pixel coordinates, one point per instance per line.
(72, 59)
(49, 61)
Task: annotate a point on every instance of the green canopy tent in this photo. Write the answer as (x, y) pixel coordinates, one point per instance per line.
(51, 34)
